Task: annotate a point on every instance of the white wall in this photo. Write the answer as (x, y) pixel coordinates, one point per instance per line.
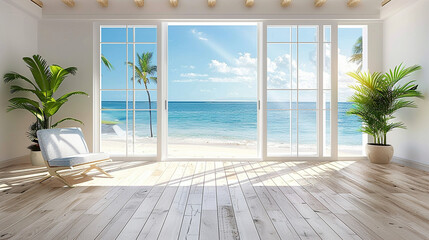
(406, 39)
(70, 43)
(18, 38)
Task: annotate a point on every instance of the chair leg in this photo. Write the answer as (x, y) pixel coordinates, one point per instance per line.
(59, 177)
(87, 170)
(45, 178)
(102, 171)
(96, 168)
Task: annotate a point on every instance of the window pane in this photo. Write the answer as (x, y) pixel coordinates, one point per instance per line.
(142, 99)
(146, 61)
(279, 66)
(350, 140)
(281, 99)
(326, 133)
(113, 78)
(326, 33)
(327, 66)
(113, 134)
(307, 99)
(279, 34)
(146, 132)
(113, 99)
(130, 34)
(114, 34)
(145, 35)
(326, 99)
(307, 133)
(307, 34)
(307, 75)
(281, 140)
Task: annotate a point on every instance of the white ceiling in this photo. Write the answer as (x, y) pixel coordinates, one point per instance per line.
(198, 9)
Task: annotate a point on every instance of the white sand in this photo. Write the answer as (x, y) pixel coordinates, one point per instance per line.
(208, 148)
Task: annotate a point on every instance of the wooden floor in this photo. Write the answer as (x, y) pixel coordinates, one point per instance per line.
(219, 200)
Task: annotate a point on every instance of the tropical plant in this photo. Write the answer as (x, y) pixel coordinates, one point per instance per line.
(145, 73)
(357, 54)
(378, 96)
(46, 81)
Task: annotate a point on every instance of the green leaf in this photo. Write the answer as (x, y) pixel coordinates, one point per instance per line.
(106, 62)
(12, 76)
(66, 119)
(58, 76)
(66, 96)
(39, 70)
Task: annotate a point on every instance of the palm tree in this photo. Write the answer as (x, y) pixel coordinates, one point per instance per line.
(357, 53)
(145, 74)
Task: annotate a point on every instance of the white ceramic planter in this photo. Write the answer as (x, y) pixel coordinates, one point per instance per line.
(379, 154)
(37, 158)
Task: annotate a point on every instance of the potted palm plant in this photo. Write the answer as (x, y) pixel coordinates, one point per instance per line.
(376, 99)
(43, 106)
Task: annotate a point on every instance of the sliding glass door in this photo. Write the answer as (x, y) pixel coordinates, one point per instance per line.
(128, 90)
(229, 90)
(212, 91)
(298, 90)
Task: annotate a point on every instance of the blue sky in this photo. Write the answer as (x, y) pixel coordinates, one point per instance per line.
(218, 63)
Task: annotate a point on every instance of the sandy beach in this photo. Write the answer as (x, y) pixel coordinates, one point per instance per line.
(206, 148)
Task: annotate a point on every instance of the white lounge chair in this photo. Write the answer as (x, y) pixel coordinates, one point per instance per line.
(65, 148)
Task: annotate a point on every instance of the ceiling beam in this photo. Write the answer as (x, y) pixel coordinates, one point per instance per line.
(384, 2)
(285, 3)
(103, 3)
(211, 3)
(174, 3)
(249, 3)
(353, 3)
(319, 3)
(139, 3)
(69, 3)
(38, 3)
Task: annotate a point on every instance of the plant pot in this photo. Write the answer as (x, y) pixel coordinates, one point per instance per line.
(37, 159)
(379, 154)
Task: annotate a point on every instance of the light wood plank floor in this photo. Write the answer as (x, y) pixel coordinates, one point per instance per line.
(218, 200)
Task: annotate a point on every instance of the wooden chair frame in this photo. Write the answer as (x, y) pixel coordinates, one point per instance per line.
(53, 171)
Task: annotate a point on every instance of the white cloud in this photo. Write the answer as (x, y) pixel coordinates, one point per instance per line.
(193, 75)
(243, 69)
(190, 80)
(279, 74)
(199, 35)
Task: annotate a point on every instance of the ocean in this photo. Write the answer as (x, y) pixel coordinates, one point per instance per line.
(234, 121)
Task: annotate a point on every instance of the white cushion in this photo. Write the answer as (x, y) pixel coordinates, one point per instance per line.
(77, 159)
(61, 142)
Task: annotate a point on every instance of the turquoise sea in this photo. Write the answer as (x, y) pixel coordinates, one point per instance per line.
(234, 121)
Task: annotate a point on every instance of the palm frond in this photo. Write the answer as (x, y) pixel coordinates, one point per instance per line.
(66, 119)
(40, 71)
(66, 96)
(106, 63)
(12, 76)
